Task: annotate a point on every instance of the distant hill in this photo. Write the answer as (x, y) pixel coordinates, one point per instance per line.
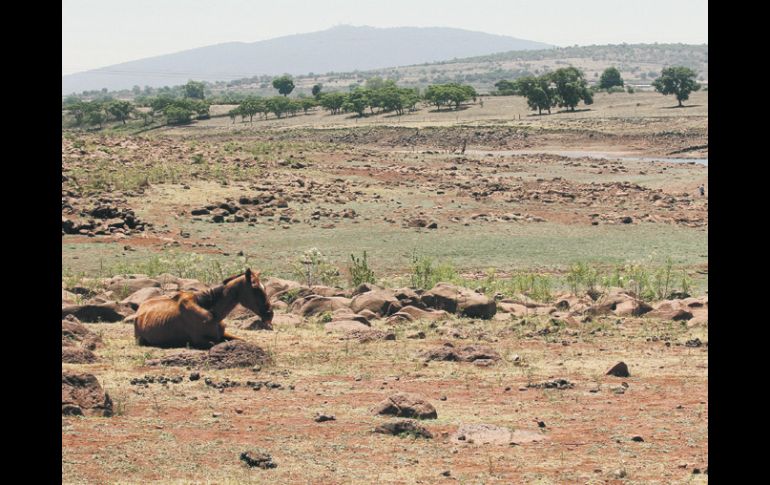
(339, 49)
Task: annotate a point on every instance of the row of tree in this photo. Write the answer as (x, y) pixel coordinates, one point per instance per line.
(567, 87)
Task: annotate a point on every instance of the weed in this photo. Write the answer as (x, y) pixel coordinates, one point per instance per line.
(360, 272)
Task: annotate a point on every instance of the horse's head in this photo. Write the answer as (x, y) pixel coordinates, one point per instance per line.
(253, 296)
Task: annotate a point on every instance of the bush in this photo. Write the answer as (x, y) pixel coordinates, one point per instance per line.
(313, 268)
(425, 273)
(360, 272)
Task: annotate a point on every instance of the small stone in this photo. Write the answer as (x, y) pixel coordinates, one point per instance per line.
(195, 376)
(320, 418)
(258, 459)
(541, 424)
(216, 415)
(238, 411)
(442, 398)
(446, 473)
(638, 439)
(619, 370)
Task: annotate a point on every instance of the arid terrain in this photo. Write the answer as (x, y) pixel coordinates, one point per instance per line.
(563, 226)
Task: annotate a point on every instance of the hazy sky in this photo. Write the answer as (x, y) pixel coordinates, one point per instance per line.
(98, 33)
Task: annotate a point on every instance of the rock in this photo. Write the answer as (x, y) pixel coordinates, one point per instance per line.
(140, 296)
(72, 332)
(408, 297)
(365, 288)
(553, 384)
(315, 305)
(404, 427)
(258, 459)
(320, 418)
(693, 343)
(369, 335)
(81, 394)
(459, 300)
(638, 439)
(257, 324)
(226, 355)
(632, 308)
(619, 370)
(381, 302)
(345, 315)
(416, 335)
(194, 376)
(68, 298)
(131, 285)
(420, 314)
(609, 305)
(399, 317)
(406, 405)
(276, 286)
(325, 291)
(104, 312)
(77, 355)
(236, 353)
(368, 314)
(675, 310)
(189, 284)
(469, 353)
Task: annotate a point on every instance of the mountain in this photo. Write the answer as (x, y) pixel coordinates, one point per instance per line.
(342, 48)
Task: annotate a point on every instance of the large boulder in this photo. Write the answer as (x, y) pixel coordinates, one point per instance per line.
(381, 302)
(408, 297)
(314, 305)
(406, 405)
(140, 296)
(276, 286)
(455, 299)
(225, 355)
(618, 302)
(420, 314)
(131, 285)
(68, 298)
(75, 333)
(676, 310)
(81, 395)
(105, 312)
(76, 355)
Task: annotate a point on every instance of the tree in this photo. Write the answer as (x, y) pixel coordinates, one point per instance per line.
(679, 81)
(506, 88)
(194, 90)
(308, 104)
(120, 110)
(284, 84)
(571, 87)
(539, 91)
(317, 90)
(332, 101)
(178, 115)
(357, 101)
(278, 105)
(610, 78)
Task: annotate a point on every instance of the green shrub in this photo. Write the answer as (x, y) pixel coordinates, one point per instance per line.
(360, 272)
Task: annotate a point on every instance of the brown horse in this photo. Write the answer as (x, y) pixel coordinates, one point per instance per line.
(195, 318)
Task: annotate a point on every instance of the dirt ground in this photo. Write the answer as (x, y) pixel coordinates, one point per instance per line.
(517, 197)
(177, 433)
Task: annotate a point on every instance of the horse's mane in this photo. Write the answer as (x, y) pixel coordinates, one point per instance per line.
(207, 298)
(227, 280)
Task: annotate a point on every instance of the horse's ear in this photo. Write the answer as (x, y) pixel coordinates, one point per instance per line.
(248, 275)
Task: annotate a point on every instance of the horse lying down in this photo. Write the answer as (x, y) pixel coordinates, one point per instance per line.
(195, 318)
